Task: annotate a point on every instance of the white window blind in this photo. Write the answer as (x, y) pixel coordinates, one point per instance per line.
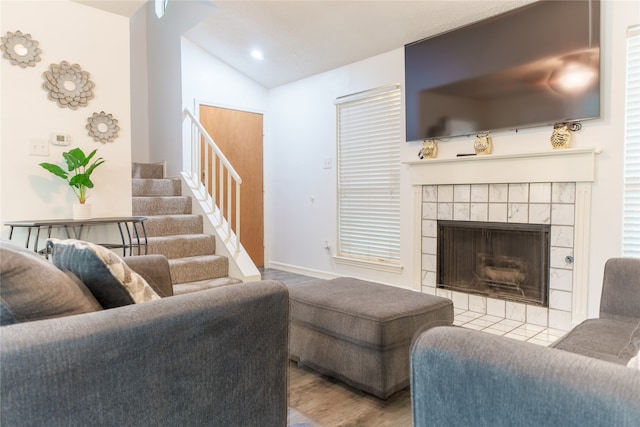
(631, 222)
(368, 166)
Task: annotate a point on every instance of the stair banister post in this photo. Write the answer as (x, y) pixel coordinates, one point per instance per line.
(237, 217)
(229, 203)
(195, 167)
(221, 192)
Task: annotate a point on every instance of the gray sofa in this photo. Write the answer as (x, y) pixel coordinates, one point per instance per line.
(461, 377)
(611, 336)
(216, 357)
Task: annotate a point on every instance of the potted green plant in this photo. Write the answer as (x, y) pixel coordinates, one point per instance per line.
(78, 176)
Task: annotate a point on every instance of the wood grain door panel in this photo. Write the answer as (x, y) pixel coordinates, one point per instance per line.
(239, 134)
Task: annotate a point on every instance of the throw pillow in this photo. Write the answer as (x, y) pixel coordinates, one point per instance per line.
(31, 288)
(106, 275)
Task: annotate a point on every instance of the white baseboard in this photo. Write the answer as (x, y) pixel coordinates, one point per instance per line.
(302, 270)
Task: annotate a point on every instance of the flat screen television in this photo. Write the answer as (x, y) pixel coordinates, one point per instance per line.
(535, 65)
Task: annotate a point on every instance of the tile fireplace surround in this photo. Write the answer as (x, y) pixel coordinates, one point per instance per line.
(551, 187)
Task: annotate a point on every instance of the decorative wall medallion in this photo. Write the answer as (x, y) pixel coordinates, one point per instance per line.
(21, 49)
(103, 127)
(68, 85)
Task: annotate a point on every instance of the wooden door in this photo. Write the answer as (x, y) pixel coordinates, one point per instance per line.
(239, 134)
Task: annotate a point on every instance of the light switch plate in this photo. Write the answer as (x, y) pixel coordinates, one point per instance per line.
(38, 147)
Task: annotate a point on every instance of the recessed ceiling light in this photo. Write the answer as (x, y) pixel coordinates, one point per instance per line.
(257, 55)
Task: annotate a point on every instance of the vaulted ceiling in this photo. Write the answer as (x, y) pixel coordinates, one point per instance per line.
(303, 38)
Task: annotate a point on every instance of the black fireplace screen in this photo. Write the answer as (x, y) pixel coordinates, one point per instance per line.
(499, 260)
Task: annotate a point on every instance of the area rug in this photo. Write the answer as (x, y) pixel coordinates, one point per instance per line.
(298, 419)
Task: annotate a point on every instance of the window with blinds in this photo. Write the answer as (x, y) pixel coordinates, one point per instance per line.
(631, 222)
(368, 166)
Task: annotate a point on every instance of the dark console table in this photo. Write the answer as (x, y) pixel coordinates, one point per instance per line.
(74, 227)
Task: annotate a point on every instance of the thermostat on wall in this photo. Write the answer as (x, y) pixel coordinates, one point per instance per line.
(59, 139)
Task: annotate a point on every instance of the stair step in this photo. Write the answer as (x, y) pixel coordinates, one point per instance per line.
(170, 205)
(201, 285)
(171, 225)
(197, 268)
(147, 170)
(180, 246)
(174, 231)
(156, 187)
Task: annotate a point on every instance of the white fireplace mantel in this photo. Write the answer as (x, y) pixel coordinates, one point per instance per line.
(563, 165)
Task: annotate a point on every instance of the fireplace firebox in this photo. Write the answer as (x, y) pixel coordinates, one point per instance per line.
(499, 260)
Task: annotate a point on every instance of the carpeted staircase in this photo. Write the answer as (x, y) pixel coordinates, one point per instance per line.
(175, 232)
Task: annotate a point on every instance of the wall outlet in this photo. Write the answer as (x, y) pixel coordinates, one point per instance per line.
(38, 147)
(328, 164)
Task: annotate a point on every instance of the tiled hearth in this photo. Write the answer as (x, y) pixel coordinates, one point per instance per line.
(509, 328)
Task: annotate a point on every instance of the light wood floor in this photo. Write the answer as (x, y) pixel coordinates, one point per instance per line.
(328, 402)
(331, 403)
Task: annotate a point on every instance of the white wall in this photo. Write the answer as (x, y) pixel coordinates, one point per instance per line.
(302, 128)
(164, 77)
(302, 203)
(206, 80)
(139, 87)
(99, 43)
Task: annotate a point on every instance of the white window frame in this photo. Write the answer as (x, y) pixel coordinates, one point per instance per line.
(369, 134)
(631, 209)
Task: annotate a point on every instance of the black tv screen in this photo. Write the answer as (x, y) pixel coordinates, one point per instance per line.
(532, 66)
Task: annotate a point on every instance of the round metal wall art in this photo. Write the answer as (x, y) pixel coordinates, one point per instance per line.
(68, 85)
(102, 127)
(21, 49)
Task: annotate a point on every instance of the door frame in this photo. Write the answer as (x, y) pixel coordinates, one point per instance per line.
(265, 163)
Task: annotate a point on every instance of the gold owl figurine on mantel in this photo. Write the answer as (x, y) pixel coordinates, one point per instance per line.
(561, 136)
(429, 149)
(482, 144)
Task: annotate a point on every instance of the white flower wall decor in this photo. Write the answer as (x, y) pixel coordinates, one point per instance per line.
(20, 49)
(68, 85)
(102, 127)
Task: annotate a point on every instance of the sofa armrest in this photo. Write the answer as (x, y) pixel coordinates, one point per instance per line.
(216, 357)
(155, 270)
(461, 377)
(620, 288)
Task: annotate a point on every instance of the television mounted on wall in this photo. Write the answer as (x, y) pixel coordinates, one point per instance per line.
(532, 66)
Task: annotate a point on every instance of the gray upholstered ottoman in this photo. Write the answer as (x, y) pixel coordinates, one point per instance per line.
(360, 332)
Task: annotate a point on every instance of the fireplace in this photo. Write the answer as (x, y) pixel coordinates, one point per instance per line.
(507, 261)
(551, 187)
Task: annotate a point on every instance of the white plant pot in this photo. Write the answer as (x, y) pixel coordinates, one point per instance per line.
(82, 211)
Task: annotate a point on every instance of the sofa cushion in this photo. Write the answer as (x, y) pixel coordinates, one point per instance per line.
(31, 288)
(605, 339)
(106, 275)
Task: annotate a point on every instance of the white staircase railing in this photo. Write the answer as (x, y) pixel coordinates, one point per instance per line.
(209, 171)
